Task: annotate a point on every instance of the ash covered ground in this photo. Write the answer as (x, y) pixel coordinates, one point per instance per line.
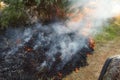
(41, 51)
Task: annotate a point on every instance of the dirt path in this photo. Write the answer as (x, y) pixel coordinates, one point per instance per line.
(96, 61)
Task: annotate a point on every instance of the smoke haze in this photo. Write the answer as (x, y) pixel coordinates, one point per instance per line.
(57, 44)
(90, 15)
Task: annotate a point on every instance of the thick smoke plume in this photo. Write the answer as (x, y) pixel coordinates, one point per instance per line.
(90, 15)
(57, 46)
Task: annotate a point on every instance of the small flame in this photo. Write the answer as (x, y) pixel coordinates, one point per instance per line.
(76, 70)
(91, 43)
(28, 49)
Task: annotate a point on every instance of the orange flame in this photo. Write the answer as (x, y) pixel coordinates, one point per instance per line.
(76, 70)
(28, 49)
(91, 43)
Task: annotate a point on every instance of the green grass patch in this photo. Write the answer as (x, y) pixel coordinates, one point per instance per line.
(109, 33)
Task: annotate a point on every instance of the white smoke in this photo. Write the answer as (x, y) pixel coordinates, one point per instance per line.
(90, 15)
(93, 12)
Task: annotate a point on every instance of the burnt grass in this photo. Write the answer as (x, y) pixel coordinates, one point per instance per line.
(25, 63)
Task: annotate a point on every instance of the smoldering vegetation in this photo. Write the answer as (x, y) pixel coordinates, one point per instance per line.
(31, 53)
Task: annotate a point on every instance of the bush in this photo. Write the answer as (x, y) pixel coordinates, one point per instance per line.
(13, 15)
(49, 10)
(19, 12)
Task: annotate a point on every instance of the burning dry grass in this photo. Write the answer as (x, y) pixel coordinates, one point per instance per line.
(107, 44)
(96, 61)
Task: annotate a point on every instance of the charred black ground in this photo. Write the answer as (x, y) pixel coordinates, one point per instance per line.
(27, 54)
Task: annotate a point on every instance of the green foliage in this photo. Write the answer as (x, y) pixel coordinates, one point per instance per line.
(19, 11)
(13, 14)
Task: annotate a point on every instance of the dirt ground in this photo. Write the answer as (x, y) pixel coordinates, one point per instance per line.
(96, 61)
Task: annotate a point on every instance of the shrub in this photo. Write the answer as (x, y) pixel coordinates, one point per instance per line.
(19, 12)
(49, 10)
(13, 15)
